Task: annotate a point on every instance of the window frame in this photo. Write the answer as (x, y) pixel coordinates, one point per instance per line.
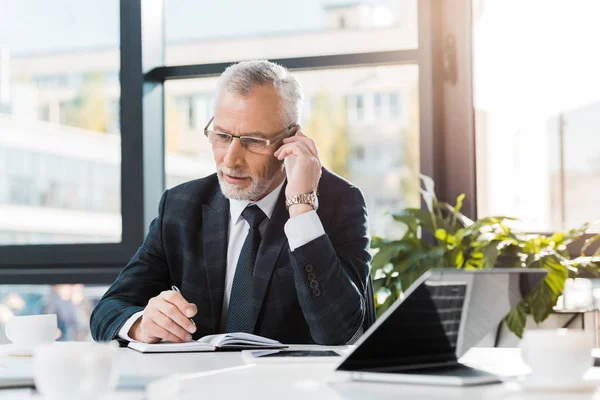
(445, 130)
(462, 118)
(142, 179)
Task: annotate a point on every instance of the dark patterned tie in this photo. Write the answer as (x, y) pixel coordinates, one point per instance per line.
(240, 302)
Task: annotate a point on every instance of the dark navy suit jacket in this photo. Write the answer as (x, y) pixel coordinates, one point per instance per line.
(187, 246)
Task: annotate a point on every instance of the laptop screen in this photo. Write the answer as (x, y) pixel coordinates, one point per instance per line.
(442, 316)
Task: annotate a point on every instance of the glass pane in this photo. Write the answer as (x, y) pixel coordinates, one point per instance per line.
(373, 143)
(537, 99)
(72, 304)
(60, 145)
(231, 30)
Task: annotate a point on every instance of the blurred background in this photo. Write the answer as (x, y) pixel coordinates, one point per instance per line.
(534, 85)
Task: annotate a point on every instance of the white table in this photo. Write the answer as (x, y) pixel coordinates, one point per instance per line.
(226, 376)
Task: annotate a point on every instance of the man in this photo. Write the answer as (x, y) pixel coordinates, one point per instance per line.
(252, 248)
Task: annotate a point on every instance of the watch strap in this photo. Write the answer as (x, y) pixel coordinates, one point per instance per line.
(305, 198)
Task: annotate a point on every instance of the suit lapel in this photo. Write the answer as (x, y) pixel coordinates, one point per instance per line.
(215, 220)
(269, 250)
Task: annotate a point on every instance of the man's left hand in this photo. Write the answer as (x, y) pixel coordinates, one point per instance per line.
(305, 174)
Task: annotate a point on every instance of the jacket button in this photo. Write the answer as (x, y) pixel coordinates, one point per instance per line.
(309, 268)
(311, 277)
(316, 292)
(314, 284)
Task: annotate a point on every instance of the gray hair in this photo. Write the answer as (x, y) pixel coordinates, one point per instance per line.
(243, 77)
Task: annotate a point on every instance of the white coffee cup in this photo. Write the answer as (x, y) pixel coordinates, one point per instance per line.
(75, 370)
(29, 331)
(557, 356)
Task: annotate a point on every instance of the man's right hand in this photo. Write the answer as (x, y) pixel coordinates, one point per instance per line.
(166, 317)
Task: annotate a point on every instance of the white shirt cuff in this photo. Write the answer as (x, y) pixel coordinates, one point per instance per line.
(124, 331)
(303, 229)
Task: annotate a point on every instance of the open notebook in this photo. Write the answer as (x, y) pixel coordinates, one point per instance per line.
(225, 341)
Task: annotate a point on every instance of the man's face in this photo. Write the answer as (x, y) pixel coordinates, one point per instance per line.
(245, 175)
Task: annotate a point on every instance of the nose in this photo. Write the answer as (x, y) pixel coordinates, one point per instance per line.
(234, 154)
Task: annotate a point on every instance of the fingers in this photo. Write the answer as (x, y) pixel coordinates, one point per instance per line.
(301, 137)
(163, 318)
(174, 330)
(174, 314)
(296, 148)
(157, 324)
(154, 329)
(178, 301)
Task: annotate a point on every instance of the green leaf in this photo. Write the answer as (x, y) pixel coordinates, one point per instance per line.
(460, 259)
(464, 221)
(557, 238)
(490, 223)
(517, 318)
(475, 260)
(444, 236)
(420, 218)
(490, 255)
(410, 276)
(588, 243)
(430, 258)
(557, 273)
(589, 265)
(575, 234)
(412, 224)
(377, 242)
(541, 301)
(388, 251)
(386, 304)
(457, 207)
(441, 234)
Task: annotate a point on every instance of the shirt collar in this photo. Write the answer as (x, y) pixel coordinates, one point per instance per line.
(266, 204)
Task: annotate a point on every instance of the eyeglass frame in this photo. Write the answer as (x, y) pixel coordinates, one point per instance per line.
(268, 142)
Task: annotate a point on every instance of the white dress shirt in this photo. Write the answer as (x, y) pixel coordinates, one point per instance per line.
(299, 230)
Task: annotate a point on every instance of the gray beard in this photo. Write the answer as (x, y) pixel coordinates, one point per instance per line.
(256, 190)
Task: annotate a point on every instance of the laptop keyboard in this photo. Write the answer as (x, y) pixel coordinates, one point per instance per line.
(449, 300)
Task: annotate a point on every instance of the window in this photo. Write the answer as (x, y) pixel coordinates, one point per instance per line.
(44, 113)
(191, 117)
(360, 107)
(359, 153)
(377, 105)
(112, 116)
(384, 164)
(395, 108)
(537, 101)
(44, 77)
(245, 30)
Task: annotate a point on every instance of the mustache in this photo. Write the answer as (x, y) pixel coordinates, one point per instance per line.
(236, 173)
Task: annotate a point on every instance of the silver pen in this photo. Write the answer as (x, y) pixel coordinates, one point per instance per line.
(175, 288)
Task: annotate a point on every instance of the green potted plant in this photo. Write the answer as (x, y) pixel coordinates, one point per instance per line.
(442, 237)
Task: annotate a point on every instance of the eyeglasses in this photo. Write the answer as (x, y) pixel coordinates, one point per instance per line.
(251, 143)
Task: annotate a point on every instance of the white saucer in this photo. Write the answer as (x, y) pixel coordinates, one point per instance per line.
(530, 383)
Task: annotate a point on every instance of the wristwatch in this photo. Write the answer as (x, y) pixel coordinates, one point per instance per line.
(308, 198)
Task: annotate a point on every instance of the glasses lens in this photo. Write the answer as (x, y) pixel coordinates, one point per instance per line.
(254, 144)
(219, 139)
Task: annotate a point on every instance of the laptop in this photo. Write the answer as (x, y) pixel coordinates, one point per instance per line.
(420, 338)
